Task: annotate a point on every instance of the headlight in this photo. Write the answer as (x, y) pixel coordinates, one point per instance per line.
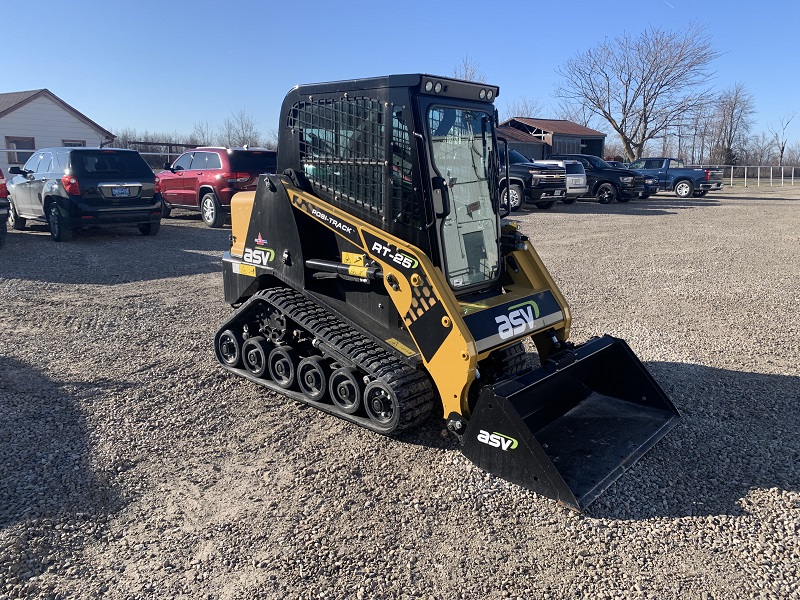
(626, 179)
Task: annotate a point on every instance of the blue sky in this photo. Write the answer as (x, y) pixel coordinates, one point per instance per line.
(164, 66)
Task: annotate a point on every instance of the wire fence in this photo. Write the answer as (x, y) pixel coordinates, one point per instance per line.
(756, 176)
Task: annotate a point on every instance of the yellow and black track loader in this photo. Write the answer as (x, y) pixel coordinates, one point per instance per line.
(376, 278)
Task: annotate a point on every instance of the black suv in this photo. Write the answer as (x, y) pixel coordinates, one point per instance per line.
(607, 183)
(70, 188)
(537, 184)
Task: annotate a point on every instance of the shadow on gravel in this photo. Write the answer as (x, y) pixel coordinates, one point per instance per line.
(650, 207)
(45, 472)
(109, 256)
(739, 431)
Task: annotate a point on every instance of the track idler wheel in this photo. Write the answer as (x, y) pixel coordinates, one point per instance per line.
(346, 389)
(382, 405)
(255, 352)
(282, 365)
(229, 348)
(312, 377)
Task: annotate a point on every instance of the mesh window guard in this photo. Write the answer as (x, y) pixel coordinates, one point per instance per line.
(342, 148)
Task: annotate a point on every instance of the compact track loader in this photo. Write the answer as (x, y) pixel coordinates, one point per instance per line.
(375, 278)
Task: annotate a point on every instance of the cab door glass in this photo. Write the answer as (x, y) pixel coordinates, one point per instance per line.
(462, 154)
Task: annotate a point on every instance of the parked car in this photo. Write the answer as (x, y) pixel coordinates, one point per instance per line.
(607, 183)
(529, 182)
(206, 178)
(70, 188)
(673, 175)
(576, 178)
(3, 208)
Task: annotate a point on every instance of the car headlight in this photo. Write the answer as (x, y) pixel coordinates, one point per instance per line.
(627, 180)
(650, 181)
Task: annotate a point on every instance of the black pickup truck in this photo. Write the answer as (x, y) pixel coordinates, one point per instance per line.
(529, 182)
(607, 183)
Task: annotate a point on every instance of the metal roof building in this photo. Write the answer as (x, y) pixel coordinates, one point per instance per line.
(543, 137)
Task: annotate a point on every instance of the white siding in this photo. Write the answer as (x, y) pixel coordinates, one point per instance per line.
(48, 124)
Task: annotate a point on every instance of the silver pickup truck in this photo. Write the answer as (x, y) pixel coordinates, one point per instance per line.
(673, 175)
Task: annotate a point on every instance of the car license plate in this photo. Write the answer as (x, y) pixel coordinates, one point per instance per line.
(120, 192)
(558, 193)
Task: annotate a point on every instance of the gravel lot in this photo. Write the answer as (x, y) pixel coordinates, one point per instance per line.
(132, 466)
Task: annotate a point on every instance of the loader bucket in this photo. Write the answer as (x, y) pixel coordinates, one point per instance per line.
(568, 433)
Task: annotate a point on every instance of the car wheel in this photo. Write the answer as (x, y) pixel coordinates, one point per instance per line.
(544, 205)
(569, 200)
(150, 228)
(644, 196)
(606, 193)
(166, 210)
(684, 189)
(700, 193)
(60, 231)
(515, 193)
(14, 220)
(211, 211)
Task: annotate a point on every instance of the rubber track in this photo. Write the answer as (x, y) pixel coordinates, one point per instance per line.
(413, 387)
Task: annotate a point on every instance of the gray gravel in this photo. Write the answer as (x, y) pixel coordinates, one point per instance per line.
(132, 466)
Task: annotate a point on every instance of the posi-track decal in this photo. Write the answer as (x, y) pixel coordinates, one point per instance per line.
(346, 229)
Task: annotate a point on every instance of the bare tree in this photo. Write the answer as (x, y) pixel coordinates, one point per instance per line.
(240, 130)
(577, 113)
(733, 117)
(469, 70)
(641, 85)
(523, 107)
(202, 133)
(759, 150)
(779, 136)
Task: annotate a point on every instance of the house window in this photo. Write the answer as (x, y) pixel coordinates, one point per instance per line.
(73, 143)
(19, 143)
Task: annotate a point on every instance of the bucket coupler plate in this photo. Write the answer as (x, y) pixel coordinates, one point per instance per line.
(569, 433)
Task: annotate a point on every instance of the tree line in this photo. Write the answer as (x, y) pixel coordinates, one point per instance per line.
(651, 93)
(237, 131)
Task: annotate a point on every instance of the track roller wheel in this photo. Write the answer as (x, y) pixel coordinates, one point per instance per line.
(254, 355)
(229, 346)
(312, 377)
(346, 389)
(282, 364)
(382, 405)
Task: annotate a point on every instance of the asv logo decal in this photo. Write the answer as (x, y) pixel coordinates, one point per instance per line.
(497, 440)
(519, 318)
(397, 257)
(259, 256)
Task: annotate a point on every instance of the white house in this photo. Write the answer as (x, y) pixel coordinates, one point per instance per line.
(40, 119)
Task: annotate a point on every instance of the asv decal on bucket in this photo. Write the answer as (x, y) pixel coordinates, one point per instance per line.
(497, 440)
(519, 318)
